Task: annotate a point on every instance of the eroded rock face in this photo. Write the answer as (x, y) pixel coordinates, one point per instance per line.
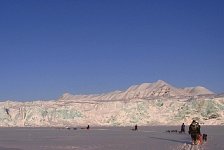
(122, 113)
(145, 104)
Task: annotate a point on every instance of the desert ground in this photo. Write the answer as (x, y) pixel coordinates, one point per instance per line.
(107, 138)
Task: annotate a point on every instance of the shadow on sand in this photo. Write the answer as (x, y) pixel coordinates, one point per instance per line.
(172, 140)
(4, 148)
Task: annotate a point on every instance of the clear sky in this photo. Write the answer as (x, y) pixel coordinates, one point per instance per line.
(49, 47)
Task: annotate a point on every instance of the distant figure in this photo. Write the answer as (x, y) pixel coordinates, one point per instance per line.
(168, 131)
(182, 128)
(87, 127)
(194, 131)
(136, 127)
(7, 111)
(204, 137)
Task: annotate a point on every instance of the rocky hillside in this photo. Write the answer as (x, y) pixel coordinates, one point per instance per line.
(145, 104)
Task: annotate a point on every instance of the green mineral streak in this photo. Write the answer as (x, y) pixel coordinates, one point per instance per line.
(179, 116)
(68, 114)
(183, 111)
(209, 108)
(3, 114)
(29, 116)
(134, 119)
(218, 105)
(43, 113)
(113, 121)
(194, 104)
(172, 107)
(159, 103)
(17, 117)
(142, 107)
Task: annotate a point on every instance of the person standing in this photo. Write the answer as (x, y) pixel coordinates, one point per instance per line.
(182, 128)
(194, 131)
(136, 127)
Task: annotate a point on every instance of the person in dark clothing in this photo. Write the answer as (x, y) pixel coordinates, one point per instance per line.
(204, 137)
(194, 131)
(136, 127)
(87, 127)
(182, 128)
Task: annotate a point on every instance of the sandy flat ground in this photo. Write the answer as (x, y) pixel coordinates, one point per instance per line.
(107, 138)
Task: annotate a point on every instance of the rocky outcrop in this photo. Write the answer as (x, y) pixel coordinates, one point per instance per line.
(147, 104)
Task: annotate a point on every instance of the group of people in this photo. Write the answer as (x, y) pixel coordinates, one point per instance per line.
(195, 132)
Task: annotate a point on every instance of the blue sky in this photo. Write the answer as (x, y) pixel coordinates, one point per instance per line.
(49, 47)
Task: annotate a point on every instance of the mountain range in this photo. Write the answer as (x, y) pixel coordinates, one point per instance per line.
(157, 103)
(143, 91)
